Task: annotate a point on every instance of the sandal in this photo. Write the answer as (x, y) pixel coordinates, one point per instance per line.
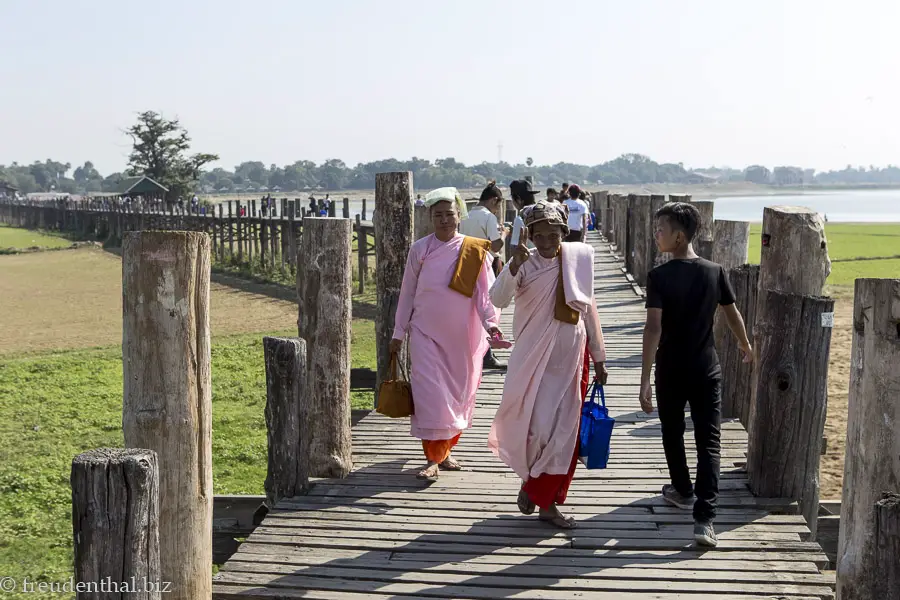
(557, 519)
(526, 506)
(451, 464)
(429, 473)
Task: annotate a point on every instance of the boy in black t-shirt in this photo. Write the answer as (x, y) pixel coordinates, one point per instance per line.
(682, 298)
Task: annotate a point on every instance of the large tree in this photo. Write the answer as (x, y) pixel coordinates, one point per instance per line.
(160, 152)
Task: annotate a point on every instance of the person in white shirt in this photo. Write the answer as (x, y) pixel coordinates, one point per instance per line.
(482, 223)
(578, 214)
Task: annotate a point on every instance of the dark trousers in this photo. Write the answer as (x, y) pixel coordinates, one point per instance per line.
(705, 399)
(575, 236)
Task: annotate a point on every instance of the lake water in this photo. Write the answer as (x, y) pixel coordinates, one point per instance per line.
(851, 206)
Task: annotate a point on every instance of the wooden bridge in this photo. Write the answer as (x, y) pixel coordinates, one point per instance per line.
(380, 533)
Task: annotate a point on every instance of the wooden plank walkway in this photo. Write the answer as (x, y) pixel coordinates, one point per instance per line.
(381, 533)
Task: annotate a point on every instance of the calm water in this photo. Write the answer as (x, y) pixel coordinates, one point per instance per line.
(860, 206)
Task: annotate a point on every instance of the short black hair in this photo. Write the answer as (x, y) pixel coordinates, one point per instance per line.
(490, 192)
(552, 191)
(683, 216)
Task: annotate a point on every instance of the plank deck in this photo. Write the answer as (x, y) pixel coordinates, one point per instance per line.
(380, 533)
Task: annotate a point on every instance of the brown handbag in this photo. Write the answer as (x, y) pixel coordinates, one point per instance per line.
(395, 395)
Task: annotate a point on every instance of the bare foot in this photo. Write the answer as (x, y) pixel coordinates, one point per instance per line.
(430, 472)
(556, 518)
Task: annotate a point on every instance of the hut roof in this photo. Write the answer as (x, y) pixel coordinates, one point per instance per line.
(140, 185)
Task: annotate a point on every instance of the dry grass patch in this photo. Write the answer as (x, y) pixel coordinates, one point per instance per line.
(73, 299)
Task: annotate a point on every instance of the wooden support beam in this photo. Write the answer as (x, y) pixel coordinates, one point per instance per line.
(794, 339)
(423, 224)
(872, 462)
(737, 376)
(657, 201)
(886, 567)
(167, 404)
(115, 519)
(286, 405)
(393, 220)
(324, 283)
(703, 241)
(642, 228)
(731, 243)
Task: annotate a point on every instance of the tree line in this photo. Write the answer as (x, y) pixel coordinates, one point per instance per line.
(161, 150)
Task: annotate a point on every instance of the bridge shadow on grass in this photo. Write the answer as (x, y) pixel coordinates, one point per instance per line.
(384, 533)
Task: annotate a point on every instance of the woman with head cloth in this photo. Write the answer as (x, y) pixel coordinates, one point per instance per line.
(445, 309)
(535, 430)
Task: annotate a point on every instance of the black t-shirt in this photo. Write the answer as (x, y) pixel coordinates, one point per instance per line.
(688, 291)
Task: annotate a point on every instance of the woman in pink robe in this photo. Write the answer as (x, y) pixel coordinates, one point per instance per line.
(535, 430)
(447, 334)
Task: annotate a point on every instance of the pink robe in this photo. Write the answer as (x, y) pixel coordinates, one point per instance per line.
(447, 337)
(535, 430)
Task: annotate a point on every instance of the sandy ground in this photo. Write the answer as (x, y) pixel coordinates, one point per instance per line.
(73, 299)
(831, 467)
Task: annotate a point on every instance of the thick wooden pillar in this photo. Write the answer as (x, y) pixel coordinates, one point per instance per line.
(641, 230)
(703, 241)
(324, 287)
(887, 547)
(872, 462)
(657, 201)
(422, 222)
(737, 376)
(393, 221)
(167, 401)
(115, 520)
(731, 243)
(286, 412)
(794, 340)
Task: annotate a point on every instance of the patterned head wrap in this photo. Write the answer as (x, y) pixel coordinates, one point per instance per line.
(447, 194)
(544, 211)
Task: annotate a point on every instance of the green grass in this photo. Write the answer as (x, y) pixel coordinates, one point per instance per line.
(21, 239)
(848, 242)
(54, 406)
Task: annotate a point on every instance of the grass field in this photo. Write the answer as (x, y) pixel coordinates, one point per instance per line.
(848, 242)
(61, 388)
(21, 239)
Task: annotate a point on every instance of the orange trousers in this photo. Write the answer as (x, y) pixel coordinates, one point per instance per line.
(438, 450)
(547, 489)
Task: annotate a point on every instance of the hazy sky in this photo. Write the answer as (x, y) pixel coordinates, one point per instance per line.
(814, 83)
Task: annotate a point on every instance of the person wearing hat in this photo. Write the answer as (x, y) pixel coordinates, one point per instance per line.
(557, 329)
(578, 214)
(445, 309)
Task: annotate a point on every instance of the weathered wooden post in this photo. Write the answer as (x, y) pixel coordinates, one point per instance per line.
(331, 209)
(115, 520)
(731, 243)
(423, 225)
(324, 287)
(601, 204)
(629, 234)
(794, 338)
(794, 260)
(872, 462)
(230, 232)
(166, 405)
(657, 201)
(703, 241)
(679, 197)
(393, 222)
(346, 208)
(887, 547)
(606, 216)
(364, 212)
(737, 383)
(642, 226)
(361, 249)
(286, 413)
(616, 201)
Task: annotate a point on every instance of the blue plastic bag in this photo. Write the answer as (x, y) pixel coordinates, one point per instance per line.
(595, 432)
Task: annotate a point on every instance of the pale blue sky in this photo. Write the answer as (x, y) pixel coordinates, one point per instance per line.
(805, 82)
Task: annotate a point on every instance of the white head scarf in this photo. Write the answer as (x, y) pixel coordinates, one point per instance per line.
(447, 194)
